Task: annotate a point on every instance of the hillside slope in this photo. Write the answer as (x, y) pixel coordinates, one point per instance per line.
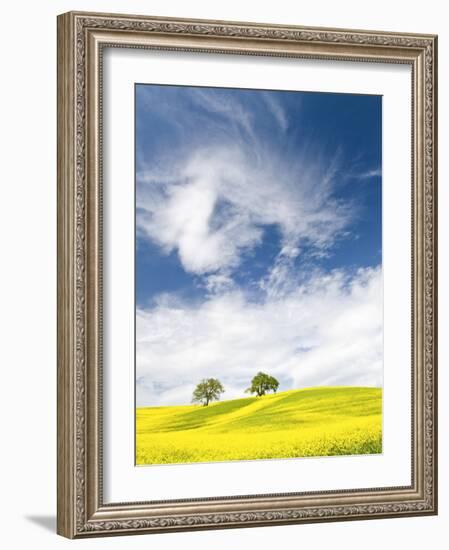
(320, 421)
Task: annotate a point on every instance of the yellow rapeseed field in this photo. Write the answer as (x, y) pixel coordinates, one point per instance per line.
(320, 421)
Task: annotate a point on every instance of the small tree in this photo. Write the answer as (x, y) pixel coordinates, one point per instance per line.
(209, 389)
(263, 383)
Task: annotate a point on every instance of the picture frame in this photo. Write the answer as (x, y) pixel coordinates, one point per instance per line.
(82, 40)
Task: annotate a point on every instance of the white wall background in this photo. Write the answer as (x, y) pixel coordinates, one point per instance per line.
(28, 271)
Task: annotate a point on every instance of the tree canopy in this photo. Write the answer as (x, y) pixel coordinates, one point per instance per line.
(209, 389)
(263, 383)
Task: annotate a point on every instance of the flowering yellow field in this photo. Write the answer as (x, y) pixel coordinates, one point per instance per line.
(321, 421)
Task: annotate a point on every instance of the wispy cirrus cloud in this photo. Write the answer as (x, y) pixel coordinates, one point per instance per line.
(368, 174)
(211, 201)
(364, 175)
(276, 110)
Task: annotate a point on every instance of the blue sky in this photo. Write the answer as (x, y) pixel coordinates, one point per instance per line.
(253, 207)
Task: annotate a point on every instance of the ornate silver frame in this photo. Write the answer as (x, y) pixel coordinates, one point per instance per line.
(81, 38)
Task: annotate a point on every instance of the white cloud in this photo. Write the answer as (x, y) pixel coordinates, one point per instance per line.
(325, 331)
(365, 175)
(209, 198)
(226, 106)
(276, 110)
(218, 199)
(218, 283)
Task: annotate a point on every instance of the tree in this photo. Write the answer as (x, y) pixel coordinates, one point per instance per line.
(263, 383)
(209, 389)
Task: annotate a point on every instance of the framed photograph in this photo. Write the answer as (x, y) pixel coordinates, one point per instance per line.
(247, 324)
